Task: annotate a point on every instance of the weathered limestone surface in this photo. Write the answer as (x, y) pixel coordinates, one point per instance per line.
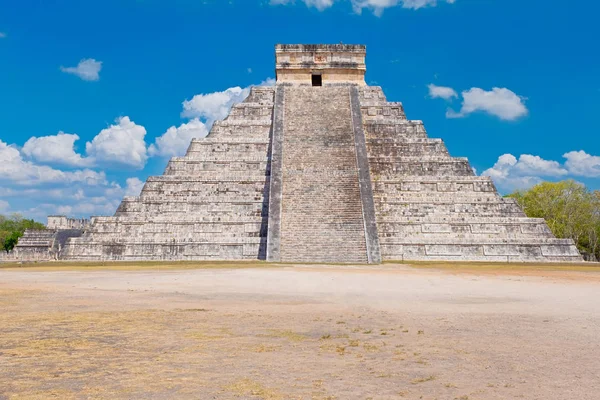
(364, 180)
(276, 181)
(321, 218)
(210, 204)
(63, 222)
(336, 63)
(430, 206)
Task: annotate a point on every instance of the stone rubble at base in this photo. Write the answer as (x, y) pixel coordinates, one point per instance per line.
(319, 174)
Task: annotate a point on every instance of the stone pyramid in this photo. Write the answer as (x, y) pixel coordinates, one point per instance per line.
(319, 168)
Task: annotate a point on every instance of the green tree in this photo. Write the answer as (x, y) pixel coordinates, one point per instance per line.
(12, 228)
(12, 240)
(569, 208)
(3, 236)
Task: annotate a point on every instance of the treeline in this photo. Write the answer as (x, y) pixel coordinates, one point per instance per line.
(570, 209)
(12, 228)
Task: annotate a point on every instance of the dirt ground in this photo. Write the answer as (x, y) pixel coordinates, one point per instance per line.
(300, 332)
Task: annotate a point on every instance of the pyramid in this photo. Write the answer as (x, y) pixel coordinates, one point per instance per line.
(319, 168)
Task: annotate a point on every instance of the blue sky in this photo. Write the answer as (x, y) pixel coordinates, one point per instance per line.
(136, 79)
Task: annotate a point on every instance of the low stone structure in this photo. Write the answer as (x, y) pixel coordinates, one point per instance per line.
(46, 244)
(319, 168)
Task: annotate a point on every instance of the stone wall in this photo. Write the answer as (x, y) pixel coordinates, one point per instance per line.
(62, 222)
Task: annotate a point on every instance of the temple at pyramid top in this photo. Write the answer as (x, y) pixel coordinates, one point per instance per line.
(320, 64)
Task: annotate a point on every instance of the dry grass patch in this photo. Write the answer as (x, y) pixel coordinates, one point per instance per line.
(264, 348)
(289, 335)
(422, 380)
(372, 348)
(248, 387)
(501, 267)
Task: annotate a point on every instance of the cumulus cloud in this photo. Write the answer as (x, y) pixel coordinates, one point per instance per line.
(505, 174)
(204, 110)
(21, 172)
(134, 186)
(500, 102)
(378, 6)
(59, 149)
(582, 164)
(122, 143)
(442, 92)
(88, 69)
(83, 208)
(318, 4)
(72, 199)
(510, 174)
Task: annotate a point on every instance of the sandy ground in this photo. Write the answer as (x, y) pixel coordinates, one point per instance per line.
(388, 332)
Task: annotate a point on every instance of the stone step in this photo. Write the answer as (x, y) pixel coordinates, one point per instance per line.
(321, 217)
(432, 185)
(455, 241)
(394, 198)
(449, 167)
(187, 166)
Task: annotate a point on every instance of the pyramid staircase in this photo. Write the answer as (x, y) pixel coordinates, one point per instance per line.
(321, 211)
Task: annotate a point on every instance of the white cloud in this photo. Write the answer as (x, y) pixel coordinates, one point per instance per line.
(88, 69)
(59, 149)
(84, 208)
(442, 92)
(72, 199)
(18, 171)
(500, 102)
(2, 35)
(175, 141)
(119, 145)
(122, 143)
(318, 4)
(377, 6)
(535, 165)
(582, 164)
(416, 4)
(134, 186)
(4, 205)
(509, 173)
